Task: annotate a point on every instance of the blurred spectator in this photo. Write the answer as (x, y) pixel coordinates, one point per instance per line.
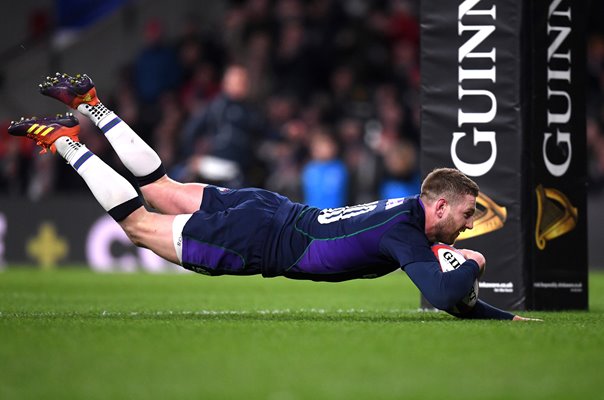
(289, 10)
(200, 88)
(402, 176)
(259, 17)
(284, 146)
(595, 110)
(233, 29)
(342, 90)
(15, 162)
(403, 24)
(361, 161)
(39, 23)
(283, 174)
(279, 110)
(324, 178)
(595, 144)
(291, 63)
(42, 179)
(257, 60)
(218, 140)
(189, 55)
(156, 67)
(165, 133)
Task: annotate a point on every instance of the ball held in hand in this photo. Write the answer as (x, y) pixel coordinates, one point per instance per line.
(450, 259)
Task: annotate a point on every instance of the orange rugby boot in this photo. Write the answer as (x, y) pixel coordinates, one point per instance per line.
(70, 90)
(46, 130)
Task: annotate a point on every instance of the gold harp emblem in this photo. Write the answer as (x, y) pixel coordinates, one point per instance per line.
(488, 218)
(556, 216)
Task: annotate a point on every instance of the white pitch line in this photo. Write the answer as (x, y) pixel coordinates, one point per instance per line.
(105, 313)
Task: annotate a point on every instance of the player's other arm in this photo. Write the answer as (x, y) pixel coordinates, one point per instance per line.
(443, 290)
(483, 310)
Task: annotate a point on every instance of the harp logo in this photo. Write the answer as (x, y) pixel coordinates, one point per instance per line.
(489, 217)
(556, 216)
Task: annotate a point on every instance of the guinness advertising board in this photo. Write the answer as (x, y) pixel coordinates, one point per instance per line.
(500, 102)
(557, 269)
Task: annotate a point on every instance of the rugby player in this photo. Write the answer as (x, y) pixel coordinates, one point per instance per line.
(217, 231)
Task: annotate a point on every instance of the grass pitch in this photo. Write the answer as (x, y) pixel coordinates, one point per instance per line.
(75, 334)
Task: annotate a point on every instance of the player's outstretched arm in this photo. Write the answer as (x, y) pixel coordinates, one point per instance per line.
(443, 290)
(483, 310)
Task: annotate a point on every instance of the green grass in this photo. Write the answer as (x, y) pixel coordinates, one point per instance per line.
(73, 334)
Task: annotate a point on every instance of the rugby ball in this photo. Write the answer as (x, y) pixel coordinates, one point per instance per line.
(449, 259)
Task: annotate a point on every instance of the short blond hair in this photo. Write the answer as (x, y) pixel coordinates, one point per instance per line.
(449, 183)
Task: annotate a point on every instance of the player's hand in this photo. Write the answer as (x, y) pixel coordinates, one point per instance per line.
(476, 256)
(519, 318)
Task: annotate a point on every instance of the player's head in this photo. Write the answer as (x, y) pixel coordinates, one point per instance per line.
(449, 183)
(449, 197)
(235, 82)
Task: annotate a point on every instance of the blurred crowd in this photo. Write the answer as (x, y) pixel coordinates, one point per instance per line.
(595, 110)
(315, 99)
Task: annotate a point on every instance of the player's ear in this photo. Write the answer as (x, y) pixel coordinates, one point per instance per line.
(440, 207)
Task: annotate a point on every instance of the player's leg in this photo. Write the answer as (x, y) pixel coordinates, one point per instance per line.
(153, 231)
(161, 192)
(113, 192)
(172, 197)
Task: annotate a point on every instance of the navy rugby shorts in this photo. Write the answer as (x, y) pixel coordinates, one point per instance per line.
(228, 234)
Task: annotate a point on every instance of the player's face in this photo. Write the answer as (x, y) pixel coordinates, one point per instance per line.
(458, 218)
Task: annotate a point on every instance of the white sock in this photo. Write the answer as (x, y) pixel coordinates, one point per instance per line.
(138, 157)
(113, 192)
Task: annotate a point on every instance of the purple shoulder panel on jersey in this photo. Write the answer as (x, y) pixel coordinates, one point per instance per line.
(347, 253)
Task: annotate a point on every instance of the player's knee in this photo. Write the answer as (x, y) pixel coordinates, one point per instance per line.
(135, 231)
(133, 235)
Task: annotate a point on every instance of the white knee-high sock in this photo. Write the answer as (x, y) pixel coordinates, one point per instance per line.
(113, 192)
(135, 154)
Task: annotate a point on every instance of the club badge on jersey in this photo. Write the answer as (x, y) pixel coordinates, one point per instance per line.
(450, 259)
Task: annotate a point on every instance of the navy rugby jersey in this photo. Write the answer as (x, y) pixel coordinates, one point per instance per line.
(362, 241)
